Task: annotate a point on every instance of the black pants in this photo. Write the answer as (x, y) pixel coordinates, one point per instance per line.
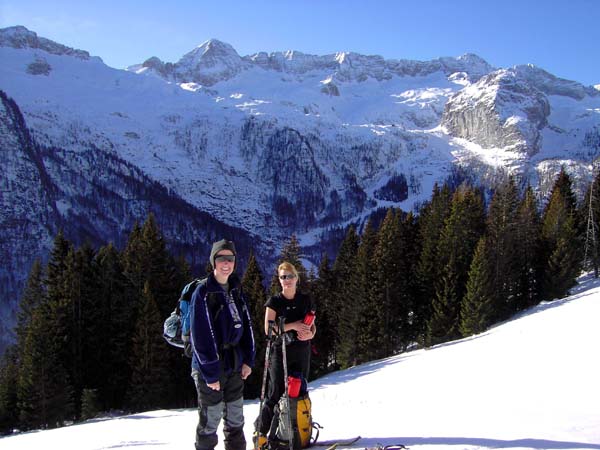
(226, 403)
(298, 359)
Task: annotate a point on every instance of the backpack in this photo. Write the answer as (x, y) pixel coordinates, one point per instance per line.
(301, 420)
(176, 328)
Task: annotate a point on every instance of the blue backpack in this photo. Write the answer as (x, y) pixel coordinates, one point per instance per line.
(176, 329)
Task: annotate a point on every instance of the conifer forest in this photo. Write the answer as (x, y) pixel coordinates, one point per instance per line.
(89, 329)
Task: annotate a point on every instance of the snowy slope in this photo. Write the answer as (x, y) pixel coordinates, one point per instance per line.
(530, 383)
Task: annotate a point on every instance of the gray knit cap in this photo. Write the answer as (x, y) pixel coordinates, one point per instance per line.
(223, 244)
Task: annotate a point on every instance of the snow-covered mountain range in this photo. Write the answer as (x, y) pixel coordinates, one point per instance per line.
(268, 144)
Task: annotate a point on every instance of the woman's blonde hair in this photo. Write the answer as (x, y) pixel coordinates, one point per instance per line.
(288, 267)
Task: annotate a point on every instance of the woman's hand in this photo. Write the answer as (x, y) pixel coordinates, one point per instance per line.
(303, 330)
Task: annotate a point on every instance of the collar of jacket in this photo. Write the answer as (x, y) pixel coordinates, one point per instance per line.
(212, 285)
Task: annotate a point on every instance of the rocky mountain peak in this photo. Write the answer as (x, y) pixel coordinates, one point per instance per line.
(209, 63)
(20, 37)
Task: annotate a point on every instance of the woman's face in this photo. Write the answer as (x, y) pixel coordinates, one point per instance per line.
(287, 279)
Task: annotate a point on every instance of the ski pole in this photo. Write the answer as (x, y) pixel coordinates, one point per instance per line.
(264, 382)
(285, 380)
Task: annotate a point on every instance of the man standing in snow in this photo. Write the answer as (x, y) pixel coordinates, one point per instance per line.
(223, 351)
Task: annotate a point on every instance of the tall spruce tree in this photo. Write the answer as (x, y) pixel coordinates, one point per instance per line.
(430, 224)
(501, 254)
(150, 371)
(369, 329)
(388, 282)
(462, 231)
(529, 251)
(343, 296)
(323, 342)
(477, 305)
(561, 239)
(114, 331)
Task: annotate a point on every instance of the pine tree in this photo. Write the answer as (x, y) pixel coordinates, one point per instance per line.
(561, 239)
(369, 329)
(342, 296)
(501, 250)
(430, 224)
(528, 236)
(150, 373)
(147, 262)
(80, 296)
(477, 305)
(323, 342)
(462, 231)
(252, 285)
(33, 294)
(115, 317)
(388, 282)
(44, 390)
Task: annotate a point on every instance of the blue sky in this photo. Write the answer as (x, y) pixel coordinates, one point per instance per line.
(562, 37)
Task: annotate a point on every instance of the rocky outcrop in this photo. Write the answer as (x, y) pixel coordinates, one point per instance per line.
(20, 37)
(502, 110)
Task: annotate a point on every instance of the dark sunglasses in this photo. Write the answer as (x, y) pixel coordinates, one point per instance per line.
(290, 276)
(223, 258)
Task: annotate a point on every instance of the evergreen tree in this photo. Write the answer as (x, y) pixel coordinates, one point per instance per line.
(114, 331)
(388, 283)
(462, 231)
(82, 327)
(528, 237)
(254, 291)
(501, 250)
(477, 305)
(146, 261)
(148, 387)
(33, 295)
(343, 295)
(561, 239)
(369, 329)
(323, 342)
(44, 390)
(430, 224)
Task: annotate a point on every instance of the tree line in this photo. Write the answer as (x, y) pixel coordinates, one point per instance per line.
(88, 334)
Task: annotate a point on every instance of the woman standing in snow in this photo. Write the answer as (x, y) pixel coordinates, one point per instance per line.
(294, 306)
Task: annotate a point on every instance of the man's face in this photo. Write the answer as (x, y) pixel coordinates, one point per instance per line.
(224, 263)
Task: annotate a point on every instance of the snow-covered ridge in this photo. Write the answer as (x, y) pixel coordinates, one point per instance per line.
(215, 61)
(21, 37)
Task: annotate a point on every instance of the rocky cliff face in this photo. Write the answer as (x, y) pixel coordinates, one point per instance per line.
(501, 110)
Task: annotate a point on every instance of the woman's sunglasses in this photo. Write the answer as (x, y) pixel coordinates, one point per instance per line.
(290, 276)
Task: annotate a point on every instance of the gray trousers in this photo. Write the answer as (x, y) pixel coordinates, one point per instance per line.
(226, 404)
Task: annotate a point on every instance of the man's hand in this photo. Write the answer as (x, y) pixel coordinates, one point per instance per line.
(246, 371)
(216, 386)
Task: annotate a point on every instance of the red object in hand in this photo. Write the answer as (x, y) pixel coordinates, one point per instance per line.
(294, 384)
(309, 318)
